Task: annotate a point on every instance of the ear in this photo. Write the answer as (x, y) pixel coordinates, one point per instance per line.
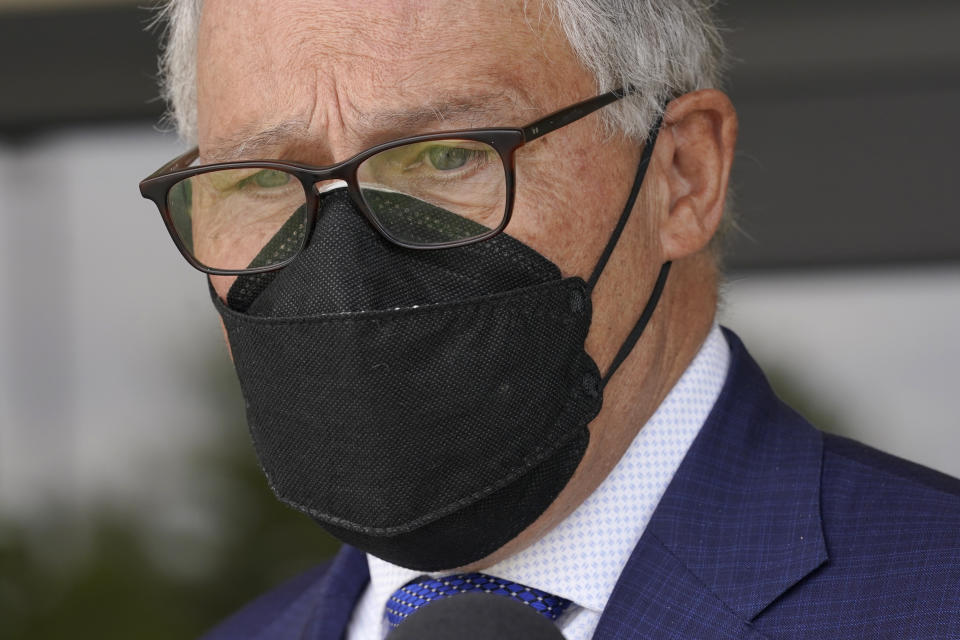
(694, 154)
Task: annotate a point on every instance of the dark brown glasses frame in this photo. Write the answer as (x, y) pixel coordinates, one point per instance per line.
(504, 141)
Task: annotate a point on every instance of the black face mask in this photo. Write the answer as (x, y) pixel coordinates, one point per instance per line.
(423, 406)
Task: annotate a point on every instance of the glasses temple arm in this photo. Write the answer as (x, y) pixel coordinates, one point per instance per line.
(572, 113)
(182, 161)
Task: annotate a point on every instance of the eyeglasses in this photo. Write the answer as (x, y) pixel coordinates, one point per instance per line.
(430, 191)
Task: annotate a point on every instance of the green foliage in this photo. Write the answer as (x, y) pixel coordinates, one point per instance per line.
(93, 575)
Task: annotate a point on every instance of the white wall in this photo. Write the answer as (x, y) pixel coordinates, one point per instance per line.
(101, 326)
(876, 353)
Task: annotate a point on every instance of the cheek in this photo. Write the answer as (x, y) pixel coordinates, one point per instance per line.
(565, 208)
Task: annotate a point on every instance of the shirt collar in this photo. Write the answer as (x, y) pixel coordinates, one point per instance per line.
(582, 557)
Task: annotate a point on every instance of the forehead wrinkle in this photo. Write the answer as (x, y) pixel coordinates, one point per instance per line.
(498, 109)
(484, 110)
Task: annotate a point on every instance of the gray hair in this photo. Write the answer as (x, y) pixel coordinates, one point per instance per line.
(661, 48)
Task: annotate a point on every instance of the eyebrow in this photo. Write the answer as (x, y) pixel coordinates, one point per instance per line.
(467, 112)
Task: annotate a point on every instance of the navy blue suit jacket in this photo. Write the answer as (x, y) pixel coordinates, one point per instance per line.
(770, 529)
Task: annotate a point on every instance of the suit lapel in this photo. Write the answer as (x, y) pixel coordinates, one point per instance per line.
(323, 611)
(663, 599)
(341, 590)
(737, 527)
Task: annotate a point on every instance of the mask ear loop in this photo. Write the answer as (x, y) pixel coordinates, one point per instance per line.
(631, 201)
(638, 328)
(654, 299)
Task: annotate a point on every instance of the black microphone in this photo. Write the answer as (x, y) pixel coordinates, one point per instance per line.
(476, 616)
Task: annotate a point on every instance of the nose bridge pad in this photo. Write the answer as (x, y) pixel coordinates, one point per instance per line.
(321, 187)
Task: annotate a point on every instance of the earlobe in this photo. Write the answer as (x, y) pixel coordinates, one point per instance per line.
(695, 154)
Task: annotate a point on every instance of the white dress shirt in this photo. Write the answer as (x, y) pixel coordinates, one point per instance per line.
(582, 557)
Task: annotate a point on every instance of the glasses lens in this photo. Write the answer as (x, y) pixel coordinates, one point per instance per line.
(240, 218)
(434, 192)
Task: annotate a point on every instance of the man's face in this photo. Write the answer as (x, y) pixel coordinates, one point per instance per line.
(317, 81)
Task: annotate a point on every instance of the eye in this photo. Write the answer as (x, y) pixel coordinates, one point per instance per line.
(447, 158)
(270, 178)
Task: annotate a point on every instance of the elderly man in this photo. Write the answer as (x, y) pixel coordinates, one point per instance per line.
(464, 256)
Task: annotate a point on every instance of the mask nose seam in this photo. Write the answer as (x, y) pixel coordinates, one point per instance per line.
(322, 196)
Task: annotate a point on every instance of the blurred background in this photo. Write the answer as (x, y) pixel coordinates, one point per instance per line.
(130, 500)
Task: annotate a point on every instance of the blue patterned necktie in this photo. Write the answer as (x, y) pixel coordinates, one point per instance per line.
(414, 595)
